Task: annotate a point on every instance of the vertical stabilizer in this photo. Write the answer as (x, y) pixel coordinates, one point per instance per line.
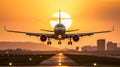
(59, 16)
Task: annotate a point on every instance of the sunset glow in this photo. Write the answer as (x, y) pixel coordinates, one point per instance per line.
(85, 15)
(65, 19)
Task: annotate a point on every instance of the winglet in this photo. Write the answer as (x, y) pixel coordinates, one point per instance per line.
(5, 28)
(113, 28)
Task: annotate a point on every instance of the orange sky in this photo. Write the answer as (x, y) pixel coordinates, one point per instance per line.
(87, 15)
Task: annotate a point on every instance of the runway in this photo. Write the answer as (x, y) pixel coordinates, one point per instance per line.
(59, 60)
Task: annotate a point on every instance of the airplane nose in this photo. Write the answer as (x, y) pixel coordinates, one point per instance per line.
(60, 29)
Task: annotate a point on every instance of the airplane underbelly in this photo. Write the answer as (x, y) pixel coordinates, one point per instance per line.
(57, 38)
(60, 35)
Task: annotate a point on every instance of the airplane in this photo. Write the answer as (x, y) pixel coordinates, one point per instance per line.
(59, 33)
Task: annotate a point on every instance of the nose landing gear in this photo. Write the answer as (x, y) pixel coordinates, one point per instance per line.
(69, 42)
(59, 42)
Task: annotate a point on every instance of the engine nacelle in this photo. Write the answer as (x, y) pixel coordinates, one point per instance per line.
(76, 38)
(43, 38)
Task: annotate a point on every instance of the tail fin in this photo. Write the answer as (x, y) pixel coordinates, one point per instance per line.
(59, 16)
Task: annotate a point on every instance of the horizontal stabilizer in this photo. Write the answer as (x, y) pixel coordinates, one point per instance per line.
(72, 30)
(46, 30)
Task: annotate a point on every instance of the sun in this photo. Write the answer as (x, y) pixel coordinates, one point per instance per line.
(65, 19)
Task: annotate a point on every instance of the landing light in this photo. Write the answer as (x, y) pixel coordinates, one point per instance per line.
(60, 54)
(59, 36)
(94, 64)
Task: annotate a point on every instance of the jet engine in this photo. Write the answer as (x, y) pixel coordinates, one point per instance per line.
(76, 38)
(43, 38)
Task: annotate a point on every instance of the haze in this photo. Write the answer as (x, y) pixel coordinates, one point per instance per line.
(33, 15)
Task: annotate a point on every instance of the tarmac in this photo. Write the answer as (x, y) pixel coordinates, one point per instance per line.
(59, 60)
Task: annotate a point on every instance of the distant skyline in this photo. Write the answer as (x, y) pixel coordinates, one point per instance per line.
(33, 15)
(26, 45)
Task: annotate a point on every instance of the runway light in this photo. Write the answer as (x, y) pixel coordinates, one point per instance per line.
(59, 36)
(30, 59)
(10, 64)
(40, 56)
(60, 64)
(94, 64)
(7, 52)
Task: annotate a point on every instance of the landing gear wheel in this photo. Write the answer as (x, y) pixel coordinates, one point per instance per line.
(70, 43)
(59, 43)
(49, 43)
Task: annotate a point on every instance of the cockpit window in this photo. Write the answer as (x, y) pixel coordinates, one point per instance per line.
(59, 25)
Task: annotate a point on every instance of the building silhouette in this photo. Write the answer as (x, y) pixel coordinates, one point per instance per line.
(101, 45)
(111, 46)
(77, 48)
(89, 48)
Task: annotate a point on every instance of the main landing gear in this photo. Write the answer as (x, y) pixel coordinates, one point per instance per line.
(49, 42)
(70, 42)
(59, 42)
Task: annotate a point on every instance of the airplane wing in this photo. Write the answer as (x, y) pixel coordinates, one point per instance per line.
(47, 30)
(88, 33)
(53, 31)
(72, 30)
(29, 33)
